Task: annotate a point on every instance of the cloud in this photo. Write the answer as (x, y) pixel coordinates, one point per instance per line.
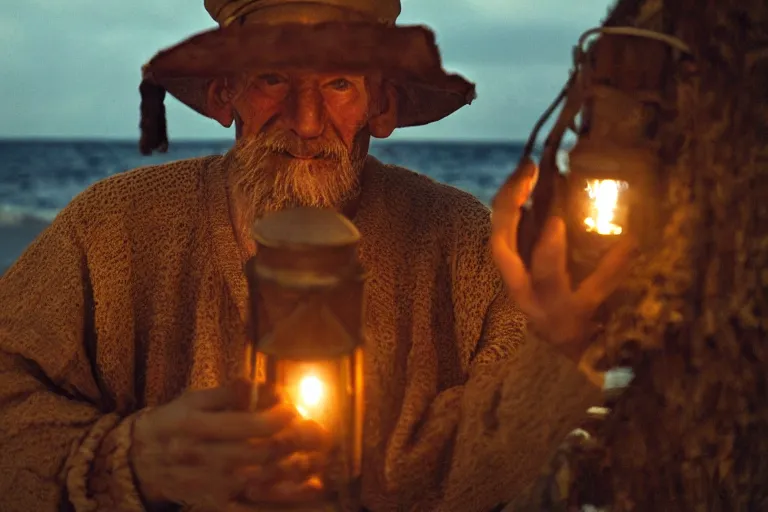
(513, 12)
(511, 32)
(506, 108)
(10, 33)
(72, 69)
(540, 11)
(93, 17)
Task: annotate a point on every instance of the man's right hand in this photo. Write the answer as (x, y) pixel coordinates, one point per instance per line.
(206, 449)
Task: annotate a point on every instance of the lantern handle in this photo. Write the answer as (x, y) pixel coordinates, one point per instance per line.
(672, 41)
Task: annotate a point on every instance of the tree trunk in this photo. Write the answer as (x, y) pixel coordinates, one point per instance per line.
(691, 430)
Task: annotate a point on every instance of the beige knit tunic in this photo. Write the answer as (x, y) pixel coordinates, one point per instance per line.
(135, 293)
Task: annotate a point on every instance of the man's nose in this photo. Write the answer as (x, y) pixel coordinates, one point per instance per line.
(307, 114)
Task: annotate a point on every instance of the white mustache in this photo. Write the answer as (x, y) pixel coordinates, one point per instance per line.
(325, 148)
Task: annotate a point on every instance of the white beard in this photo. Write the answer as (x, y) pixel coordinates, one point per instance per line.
(263, 179)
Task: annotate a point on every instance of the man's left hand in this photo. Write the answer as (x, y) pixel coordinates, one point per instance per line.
(557, 312)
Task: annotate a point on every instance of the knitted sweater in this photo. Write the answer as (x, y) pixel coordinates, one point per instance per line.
(136, 292)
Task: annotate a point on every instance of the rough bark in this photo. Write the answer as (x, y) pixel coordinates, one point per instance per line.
(691, 430)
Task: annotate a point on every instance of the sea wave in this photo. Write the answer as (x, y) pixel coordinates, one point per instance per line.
(19, 226)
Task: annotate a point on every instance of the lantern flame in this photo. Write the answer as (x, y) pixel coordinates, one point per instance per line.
(311, 392)
(604, 201)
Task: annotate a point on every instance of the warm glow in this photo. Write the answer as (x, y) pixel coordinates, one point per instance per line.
(311, 392)
(327, 395)
(604, 201)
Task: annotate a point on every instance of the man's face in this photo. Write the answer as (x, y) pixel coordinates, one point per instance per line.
(302, 138)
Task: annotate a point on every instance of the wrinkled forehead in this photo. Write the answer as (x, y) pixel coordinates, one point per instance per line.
(309, 74)
(307, 77)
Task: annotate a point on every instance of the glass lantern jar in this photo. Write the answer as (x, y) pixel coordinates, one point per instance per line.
(306, 300)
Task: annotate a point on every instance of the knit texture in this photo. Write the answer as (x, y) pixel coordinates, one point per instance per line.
(136, 293)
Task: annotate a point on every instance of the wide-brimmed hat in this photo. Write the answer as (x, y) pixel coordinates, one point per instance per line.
(325, 36)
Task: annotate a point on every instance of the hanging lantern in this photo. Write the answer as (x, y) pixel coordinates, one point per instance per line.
(613, 173)
(614, 100)
(306, 299)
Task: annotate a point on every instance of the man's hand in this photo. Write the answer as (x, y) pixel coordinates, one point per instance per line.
(557, 312)
(206, 449)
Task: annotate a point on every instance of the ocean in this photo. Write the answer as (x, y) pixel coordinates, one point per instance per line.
(38, 178)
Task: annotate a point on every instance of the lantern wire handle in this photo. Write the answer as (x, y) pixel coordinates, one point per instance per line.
(634, 31)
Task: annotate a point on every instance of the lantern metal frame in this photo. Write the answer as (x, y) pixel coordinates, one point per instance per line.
(612, 143)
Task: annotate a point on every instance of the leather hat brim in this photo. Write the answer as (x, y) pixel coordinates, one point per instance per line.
(407, 56)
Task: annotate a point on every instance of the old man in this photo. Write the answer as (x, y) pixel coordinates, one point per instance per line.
(122, 326)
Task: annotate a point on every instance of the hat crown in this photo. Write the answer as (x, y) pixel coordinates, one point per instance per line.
(225, 11)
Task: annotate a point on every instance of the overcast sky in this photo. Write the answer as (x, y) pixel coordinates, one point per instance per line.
(71, 68)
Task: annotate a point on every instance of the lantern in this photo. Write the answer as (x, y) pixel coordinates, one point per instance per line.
(615, 101)
(306, 300)
(613, 169)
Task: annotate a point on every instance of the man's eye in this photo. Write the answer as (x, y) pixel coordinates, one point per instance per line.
(271, 79)
(340, 84)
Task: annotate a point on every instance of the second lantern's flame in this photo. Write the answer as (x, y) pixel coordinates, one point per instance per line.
(603, 203)
(311, 391)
